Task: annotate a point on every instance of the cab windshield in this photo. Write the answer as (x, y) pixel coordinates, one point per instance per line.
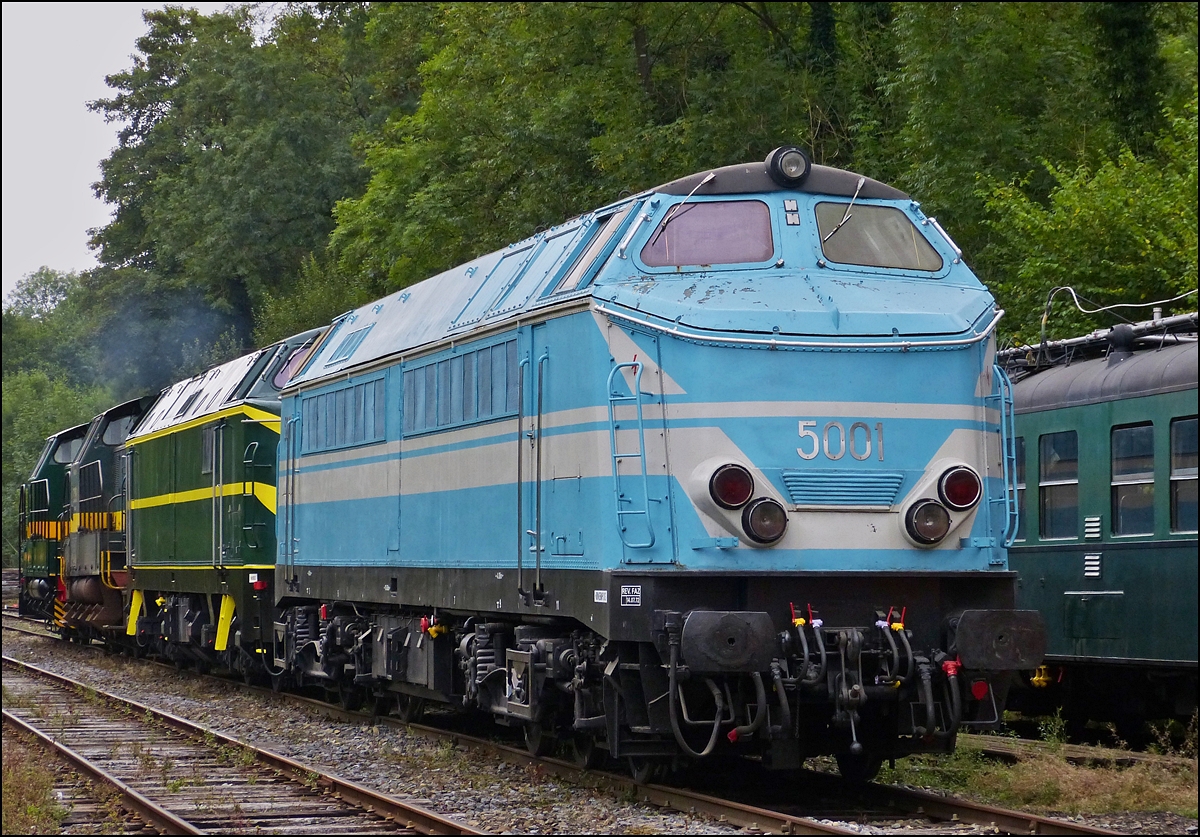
(874, 236)
(711, 232)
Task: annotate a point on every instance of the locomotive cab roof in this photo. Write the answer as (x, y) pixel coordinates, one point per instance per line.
(899, 280)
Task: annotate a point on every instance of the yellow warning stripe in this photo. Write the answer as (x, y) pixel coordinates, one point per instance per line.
(50, 529)
(270, 420)
(265, 492)
(98, 521)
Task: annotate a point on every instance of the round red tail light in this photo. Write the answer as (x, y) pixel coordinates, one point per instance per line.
(731, 486)
(764, 520)
(928, 521)
(960, 488)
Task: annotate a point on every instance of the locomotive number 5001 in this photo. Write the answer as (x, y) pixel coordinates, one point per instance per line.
(835, 440)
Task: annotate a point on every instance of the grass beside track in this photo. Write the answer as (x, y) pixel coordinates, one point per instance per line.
(1046, 783)
(29, 805)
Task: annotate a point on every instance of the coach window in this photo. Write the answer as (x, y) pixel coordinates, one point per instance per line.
(1133, 480)
(875, 236)
(1183, 475)
(711, 232)
(1058, 484)
(1020, 448)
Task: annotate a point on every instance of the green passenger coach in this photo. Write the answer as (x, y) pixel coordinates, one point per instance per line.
(202, 499)
(1106, 548)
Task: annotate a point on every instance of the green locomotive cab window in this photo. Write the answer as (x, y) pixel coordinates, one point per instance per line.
(875, 236)
(116, 431)
(711, 232)
(1019, 444)
(1058, 485)
(66, 452)
(288, 369)
(1183, 475)
(1133, 480)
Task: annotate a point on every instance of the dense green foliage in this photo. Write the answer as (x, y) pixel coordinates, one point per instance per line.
(272, 172)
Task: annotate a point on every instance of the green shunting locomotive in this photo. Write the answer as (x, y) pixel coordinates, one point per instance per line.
(43, 517)
(202, 499)
(1106, 549)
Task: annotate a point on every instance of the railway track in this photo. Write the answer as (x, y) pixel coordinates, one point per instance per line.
(184, 779)
(829, 800)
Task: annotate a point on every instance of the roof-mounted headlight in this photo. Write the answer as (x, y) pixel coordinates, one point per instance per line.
(788, 166)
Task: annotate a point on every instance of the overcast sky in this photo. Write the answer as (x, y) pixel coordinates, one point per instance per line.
(56, 56)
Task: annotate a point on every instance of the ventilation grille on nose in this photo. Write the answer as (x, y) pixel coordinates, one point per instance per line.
(843, 488)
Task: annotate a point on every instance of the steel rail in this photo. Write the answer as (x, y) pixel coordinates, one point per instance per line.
(402, 813)
(153, 813)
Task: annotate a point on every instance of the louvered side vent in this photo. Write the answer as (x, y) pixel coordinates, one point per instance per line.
(1091, 527)
(1091, 566)
(843, 488)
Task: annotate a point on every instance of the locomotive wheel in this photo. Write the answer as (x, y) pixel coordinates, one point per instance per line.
(585, 752)
(410, 708)
(537, 740)
(350, 697)
(860, 769)
(278, 682)
(645, 770)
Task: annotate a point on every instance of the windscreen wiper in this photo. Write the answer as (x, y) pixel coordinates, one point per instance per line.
(849, 206)
(674, 213)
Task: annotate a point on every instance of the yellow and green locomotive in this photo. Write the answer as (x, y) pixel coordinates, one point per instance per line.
(202, 496)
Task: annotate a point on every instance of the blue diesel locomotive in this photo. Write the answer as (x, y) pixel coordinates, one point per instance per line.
(724, 465)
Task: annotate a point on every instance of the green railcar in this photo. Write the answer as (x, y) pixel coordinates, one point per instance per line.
(202, 492)
(1106, 548)
(43, 517)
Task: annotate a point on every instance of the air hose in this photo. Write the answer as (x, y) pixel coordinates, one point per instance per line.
(759, 716)
(673, 698)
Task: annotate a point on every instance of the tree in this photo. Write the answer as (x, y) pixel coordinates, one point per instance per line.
(1124, 232)
(35, 406)
(232, 152)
